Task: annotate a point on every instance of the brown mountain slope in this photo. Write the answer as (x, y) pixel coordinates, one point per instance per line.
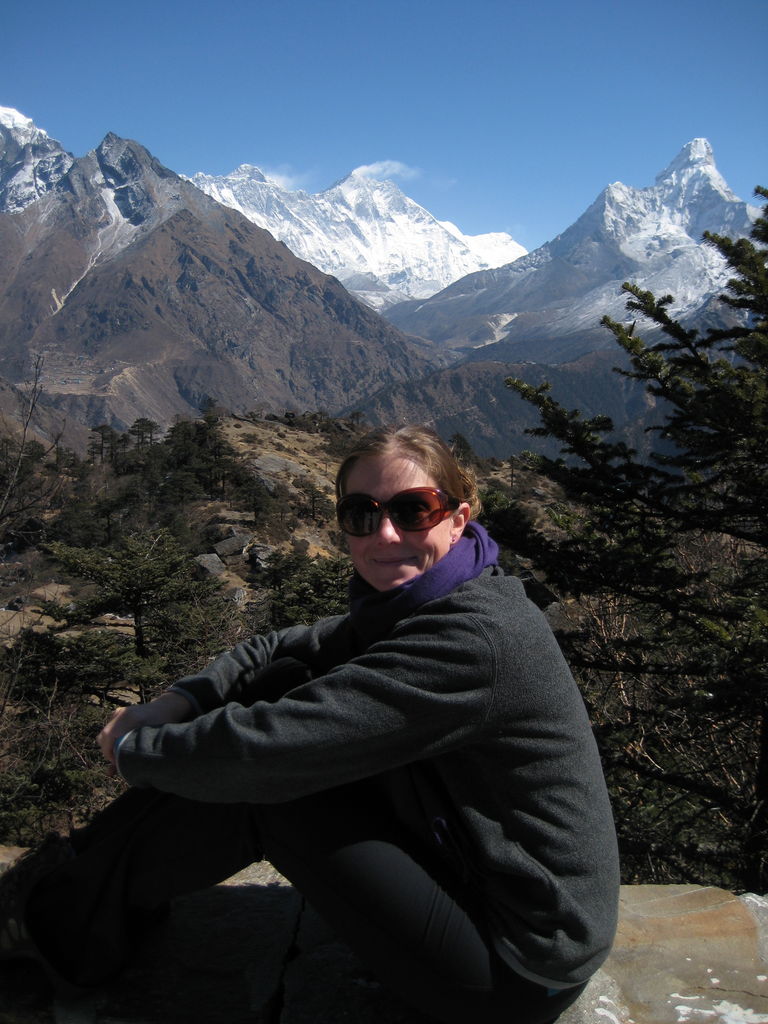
(145, 298)
(471, 399)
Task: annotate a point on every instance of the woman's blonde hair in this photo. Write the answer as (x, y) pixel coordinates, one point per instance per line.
(424, 447)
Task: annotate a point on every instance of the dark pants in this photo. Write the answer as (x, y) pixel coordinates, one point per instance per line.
(386, 892)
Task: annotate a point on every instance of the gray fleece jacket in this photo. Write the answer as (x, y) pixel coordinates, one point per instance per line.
(471, 700)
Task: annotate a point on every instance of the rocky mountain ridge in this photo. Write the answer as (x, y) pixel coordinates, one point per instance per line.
(144, 297)
(383, 246)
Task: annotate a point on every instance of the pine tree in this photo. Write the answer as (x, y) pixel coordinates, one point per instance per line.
(303, 589)
(146, 572)
(144, 430)
(665, 564)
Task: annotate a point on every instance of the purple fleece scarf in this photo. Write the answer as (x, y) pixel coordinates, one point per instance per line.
(374, 613)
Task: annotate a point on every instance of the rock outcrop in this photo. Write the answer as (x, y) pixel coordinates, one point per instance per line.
(250, 951)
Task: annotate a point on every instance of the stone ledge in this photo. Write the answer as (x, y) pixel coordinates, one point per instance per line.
(250, 951)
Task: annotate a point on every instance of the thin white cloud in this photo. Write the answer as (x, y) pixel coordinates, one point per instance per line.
(385, 169)
(286, 177)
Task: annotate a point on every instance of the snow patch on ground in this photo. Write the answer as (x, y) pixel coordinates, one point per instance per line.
(721, 1013)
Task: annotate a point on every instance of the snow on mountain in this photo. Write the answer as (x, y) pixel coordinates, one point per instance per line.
(689, 197)
(650, 236)
(30, 162)
(381, 245)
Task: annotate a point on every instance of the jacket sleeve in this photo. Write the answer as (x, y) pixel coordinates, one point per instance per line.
(263, 667)
(425, 688)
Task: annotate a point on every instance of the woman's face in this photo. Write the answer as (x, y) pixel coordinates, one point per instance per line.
(392, 556)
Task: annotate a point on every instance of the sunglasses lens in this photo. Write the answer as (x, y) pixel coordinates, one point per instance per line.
(358, 516)
(416, 511)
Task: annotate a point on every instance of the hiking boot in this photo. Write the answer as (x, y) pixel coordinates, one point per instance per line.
(16, 884)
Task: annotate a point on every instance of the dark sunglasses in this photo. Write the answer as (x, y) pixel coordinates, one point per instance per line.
(418, 508)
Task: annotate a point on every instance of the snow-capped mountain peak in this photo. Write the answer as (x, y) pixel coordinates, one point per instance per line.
(697, 152)
(375, 202)
(31, 163)
(247, 172)
(548, 305)
(691, 174)
(380, 243)
(689, 197)
(23, 128)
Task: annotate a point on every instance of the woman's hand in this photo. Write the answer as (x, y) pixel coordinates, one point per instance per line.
(168, 707)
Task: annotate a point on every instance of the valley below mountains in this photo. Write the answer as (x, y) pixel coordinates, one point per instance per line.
(141, 295)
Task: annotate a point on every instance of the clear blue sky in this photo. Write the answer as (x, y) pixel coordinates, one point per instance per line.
(506, 115)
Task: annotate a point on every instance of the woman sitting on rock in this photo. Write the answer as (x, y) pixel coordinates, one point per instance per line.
(422, 769)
